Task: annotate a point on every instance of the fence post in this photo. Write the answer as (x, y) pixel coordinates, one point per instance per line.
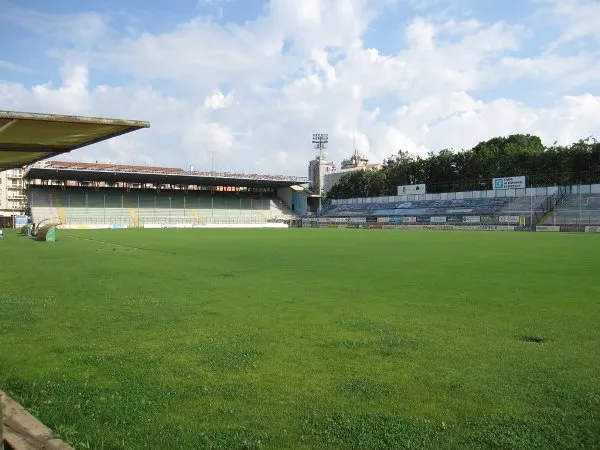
(579, 222)
(530, 210)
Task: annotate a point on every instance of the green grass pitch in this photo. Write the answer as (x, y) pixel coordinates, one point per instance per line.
(305, 338)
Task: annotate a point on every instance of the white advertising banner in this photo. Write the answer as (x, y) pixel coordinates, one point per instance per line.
(489, 227)
(411, 189)
(63, 226)
(471, 219)
(547, 228)
(509, 219)
(463, 227)
(509, 183)
(437, 219)
(592, 229)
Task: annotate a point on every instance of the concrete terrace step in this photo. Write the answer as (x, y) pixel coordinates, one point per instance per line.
(22, 431)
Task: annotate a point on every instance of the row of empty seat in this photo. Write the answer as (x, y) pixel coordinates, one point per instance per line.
(570, 209)
(576, 210)
(76, 206)
(480, 206)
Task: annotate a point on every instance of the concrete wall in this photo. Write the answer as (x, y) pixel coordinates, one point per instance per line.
(529, 192)
(300, 202)
(285, 194)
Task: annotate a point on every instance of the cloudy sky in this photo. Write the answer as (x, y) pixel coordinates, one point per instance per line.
(245, 83)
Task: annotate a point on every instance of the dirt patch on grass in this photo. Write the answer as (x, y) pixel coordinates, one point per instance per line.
(531, 339)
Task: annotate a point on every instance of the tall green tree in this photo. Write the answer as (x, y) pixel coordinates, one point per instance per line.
(473, 169)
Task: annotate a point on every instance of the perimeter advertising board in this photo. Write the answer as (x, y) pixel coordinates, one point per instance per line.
(438, 219)
(509, 219)
(547, 228)
(508, 183)
(20, 221)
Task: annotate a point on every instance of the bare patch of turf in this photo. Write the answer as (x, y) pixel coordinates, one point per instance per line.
(530, 339)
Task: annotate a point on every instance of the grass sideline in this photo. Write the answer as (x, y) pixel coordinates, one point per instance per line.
(305, 338)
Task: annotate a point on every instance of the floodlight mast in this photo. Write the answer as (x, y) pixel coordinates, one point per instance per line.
(320, 141)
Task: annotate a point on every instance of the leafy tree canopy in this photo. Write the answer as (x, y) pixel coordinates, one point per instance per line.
(471, 170)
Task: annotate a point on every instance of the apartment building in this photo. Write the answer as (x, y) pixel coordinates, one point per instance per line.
(13, 198)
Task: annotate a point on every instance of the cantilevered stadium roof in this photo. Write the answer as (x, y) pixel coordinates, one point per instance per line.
(114, 173)
(29, 137)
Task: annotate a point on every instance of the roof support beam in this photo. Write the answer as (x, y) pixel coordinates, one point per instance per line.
(6, 126)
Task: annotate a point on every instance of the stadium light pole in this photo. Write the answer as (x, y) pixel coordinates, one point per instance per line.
(320, 141)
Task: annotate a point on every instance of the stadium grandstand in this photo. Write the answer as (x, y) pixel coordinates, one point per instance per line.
(571, 207)
(580, 206)
(101, 195)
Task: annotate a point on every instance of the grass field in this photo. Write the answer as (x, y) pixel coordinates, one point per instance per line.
(305, 338)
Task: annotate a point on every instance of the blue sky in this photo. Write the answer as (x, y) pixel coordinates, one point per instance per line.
(251, 80)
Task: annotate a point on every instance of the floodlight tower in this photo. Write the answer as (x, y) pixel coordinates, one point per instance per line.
(320, 141)
(318, 167)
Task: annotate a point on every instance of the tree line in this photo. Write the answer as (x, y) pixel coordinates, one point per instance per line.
(473, 170)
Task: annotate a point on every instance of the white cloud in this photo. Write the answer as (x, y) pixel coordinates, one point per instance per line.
(218, 100)
(577, 18)
(233, 93)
